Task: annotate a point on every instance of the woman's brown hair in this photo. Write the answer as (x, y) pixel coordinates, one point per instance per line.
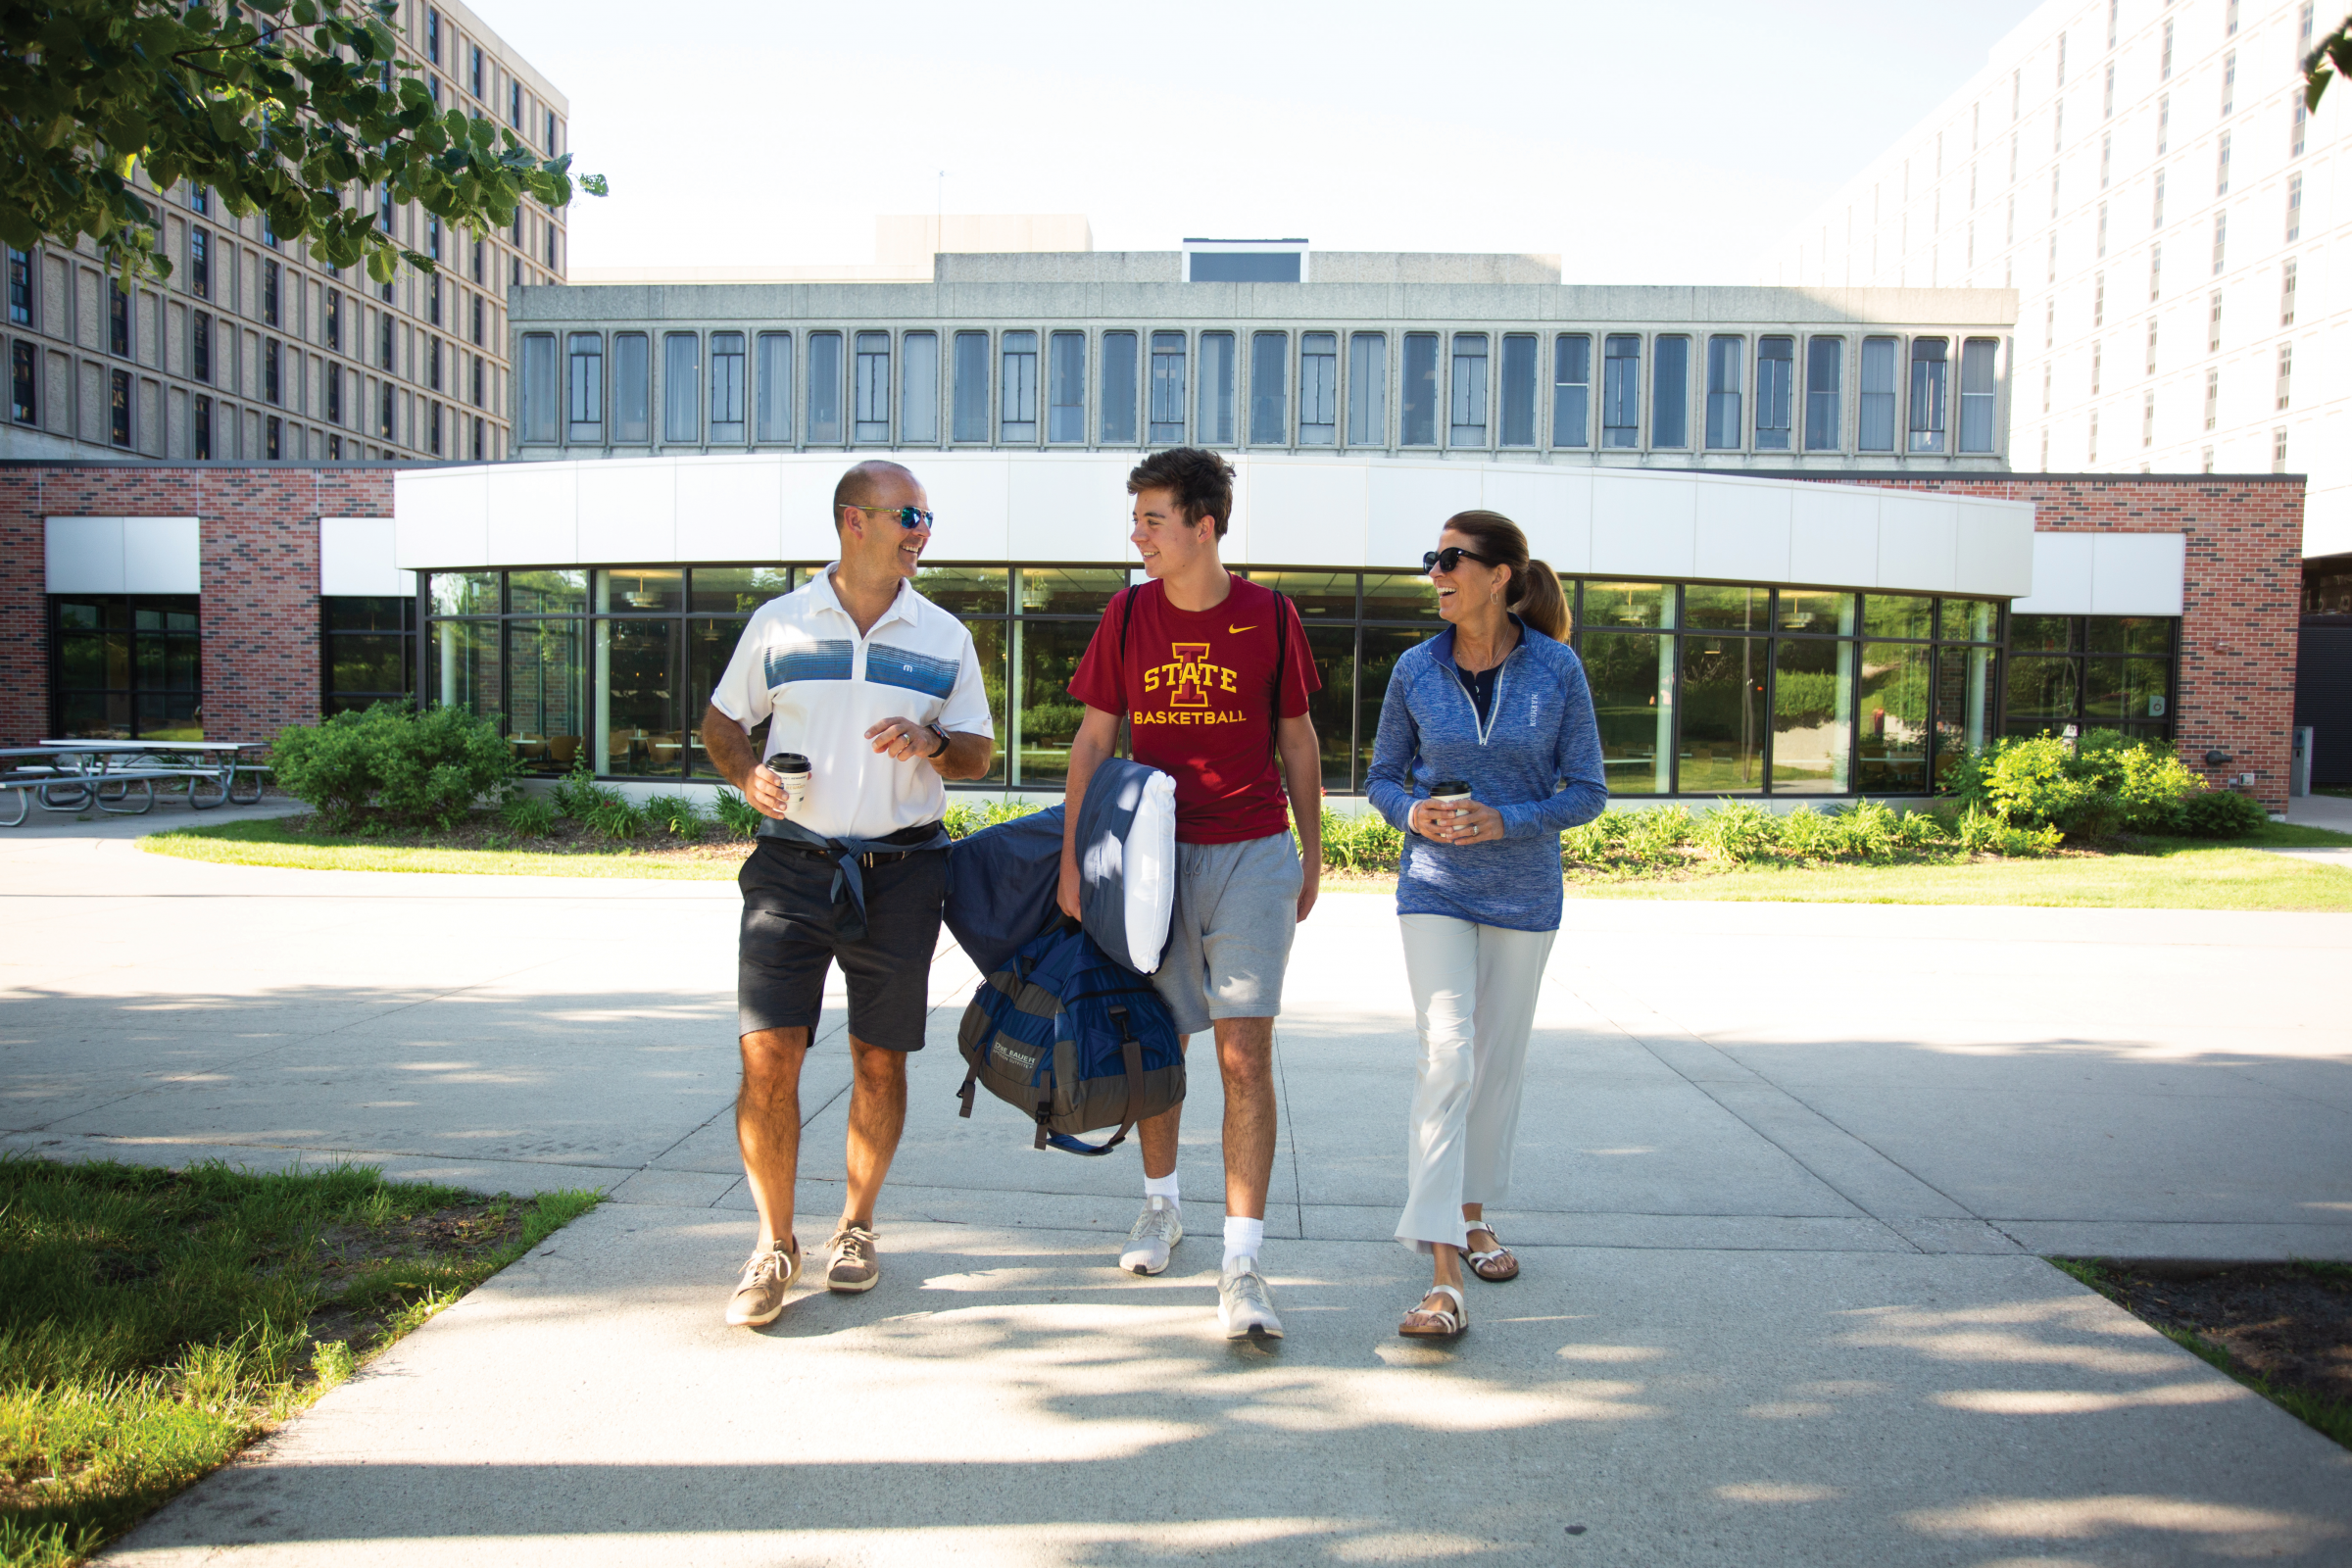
(1533, 595)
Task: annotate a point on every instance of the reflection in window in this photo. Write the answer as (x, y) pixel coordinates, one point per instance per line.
(681, 382)
(726, 386)
(547, 693)
(2041, 694)
(1628, 604)
(1899, 616)
(1928, 388)
(1812, 714)
(1318, 388)
(918, 388)
(641, 588)
(969, 419)
(737, 590)
(1631, 678)
(1893, 746)
(584, 389)
(369, 651)
(1420, 403)
(1382, 647)
(637, 727)
(1332, 708)
(1977, 391)
(709, 644)
(1726, 607)
(1723, 712)
(1168, 388)
(1016, 394)
(871, 390)
(1725, 372)
(632, 389)
(1621, 392)
(1070, 590)
(1047, 653)
(467, 667)
(1269, 388)
(775, 386)
(1669, 393)
(1776, 382)
(963, 590)
(1571, 390)
(464, 593)
(1518, 391)
(1825, 365)
(541, 408)
(1118, 388)
(1963, 693)
(1215, 425)
(550, 591)
(1877, 394)
(1368, 389)
(1066, 405)
(825, 387)
(1468, 426)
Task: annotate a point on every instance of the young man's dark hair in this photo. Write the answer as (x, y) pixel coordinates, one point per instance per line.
(1201, 481)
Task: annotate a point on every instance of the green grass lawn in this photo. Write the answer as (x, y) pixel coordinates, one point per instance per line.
(153, 1322)
(268, 841)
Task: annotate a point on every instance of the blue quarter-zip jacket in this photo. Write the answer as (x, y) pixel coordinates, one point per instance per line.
(1537, 760)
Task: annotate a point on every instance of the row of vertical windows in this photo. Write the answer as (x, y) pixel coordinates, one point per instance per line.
(1475, 391)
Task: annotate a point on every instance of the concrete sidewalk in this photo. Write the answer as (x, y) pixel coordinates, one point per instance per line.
(1782, 1172)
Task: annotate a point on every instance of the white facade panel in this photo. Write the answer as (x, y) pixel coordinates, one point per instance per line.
(1405, 503)
(1993, 557)
(729, 509)
(1918, 543)
(1834, 534)
(1309, 511)
(443, 517)
(2062, 575)
(358, 557)
(122, 555)
(628, 512)
(1553, 506)
(2137, 574)
(533, 518)
(83, 555)
(1644, 525)
(1743, 533)
(1056, 509)
(805, 506)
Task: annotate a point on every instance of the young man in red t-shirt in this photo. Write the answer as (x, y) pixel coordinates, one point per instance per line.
(1214, 672)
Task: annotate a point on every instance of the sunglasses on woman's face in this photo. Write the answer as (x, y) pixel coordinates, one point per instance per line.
(1449, 558)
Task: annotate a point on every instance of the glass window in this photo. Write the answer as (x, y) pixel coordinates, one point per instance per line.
(1047, 655)
(2041, 694)
(638, 732)
(1824, 366)
(368, 651)
(709, 644)
(1877, 394)
(1621, 391)
(1899, 616)
(1332, 707)
(1723, 712)
(1016, 393)
(639, 590)
(467, 666)
(1820, 611)
(1812, 714)
(557, 591)
(2146, 635)
(775, 387)
(1215, 425)
(1893, 746)
(726, 386)
(1725, 373)
(547, 693)
(1269, 389)
(1775, 387)
(1518, 390)
(870, 392)
(1420, 390)
(1571, 390)
(1727, 607)
(1066, 405)
(2042, 635)
(965, 590)
(1070, 590)
(541, 408)
(1964, 692)
(1669, 393)
(1628, 604)
(1168, 388)
(1399, 596)
(824, 388)
(681, 387)
(1118, 388)
(1972, 620)
(1318, 388)
(1318, 595)
(1631, 678)
(2125, 693)
(918, 389)
(1467, 425)
(1368, 389)
(464, 593)
(1977, 391)
(739, 590)
(969, 420)
(1928, 388)
(1381, 647)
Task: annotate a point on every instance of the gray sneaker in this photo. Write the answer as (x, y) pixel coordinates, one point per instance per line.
(854, 1266)
(760, 1295)
(1244, 1306)
(1154, 1233)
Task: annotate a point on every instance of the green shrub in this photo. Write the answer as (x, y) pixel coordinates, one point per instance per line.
(1362, 842)
(417, 767)
(614, 816)
(1981, 832)
(2154, 787)
(739, 817)
(1738, 831)
(577, 792)
(531, 816)
(964, 818)
(2041, 781)
(2221, 815)
(1867, 830)
(1918, 832)
(677, 815)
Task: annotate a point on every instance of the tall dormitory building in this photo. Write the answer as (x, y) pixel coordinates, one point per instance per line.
(2145, 174)
(253, 351)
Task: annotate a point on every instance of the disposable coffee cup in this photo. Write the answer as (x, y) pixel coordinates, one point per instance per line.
(1451, 792)
(791, 770)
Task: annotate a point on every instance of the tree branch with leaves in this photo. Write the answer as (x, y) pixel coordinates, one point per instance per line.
(2333, 55)
(300, 110)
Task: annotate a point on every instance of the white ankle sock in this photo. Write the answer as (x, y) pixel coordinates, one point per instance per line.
(1243, 1238)
(1162, 1187)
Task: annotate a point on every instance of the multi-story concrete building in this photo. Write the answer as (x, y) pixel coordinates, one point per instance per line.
(255, 351)
(2176, 225)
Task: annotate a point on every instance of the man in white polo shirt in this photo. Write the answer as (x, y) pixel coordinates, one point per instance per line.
(880, 690)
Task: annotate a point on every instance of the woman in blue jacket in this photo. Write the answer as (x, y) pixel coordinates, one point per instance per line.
(1498, 702)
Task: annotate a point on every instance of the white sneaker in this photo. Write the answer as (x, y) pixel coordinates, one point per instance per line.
(1245, 1305)
(1154, 1233)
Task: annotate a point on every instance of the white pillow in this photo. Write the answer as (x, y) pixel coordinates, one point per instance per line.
(1151, 872)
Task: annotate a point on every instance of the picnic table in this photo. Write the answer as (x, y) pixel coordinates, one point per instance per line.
(71, 775)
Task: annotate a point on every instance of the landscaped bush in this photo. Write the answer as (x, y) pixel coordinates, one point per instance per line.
(1738, 831)
(2104, 783)
(1361, 841)
(531, 816)
(676, 815)
(614, 816)
(416, 768)
(964, 818)
(2221, 815)
(577, 792)
(738, 816)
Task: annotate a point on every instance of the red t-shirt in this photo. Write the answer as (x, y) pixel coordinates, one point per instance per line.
(1199, 689)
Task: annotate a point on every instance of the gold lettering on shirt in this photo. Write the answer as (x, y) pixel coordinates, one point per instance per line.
(1193, 672)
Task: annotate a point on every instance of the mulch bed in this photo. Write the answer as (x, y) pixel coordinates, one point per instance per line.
(2290, 1324)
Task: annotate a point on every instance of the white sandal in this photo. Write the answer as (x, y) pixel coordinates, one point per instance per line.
(1454, 1322)
(1499, 1256)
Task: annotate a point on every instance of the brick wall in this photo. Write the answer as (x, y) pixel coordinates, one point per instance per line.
(2243, 605)
(260, 534)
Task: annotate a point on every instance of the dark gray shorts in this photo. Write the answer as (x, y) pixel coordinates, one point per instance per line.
(1229, 941)
(787, 941)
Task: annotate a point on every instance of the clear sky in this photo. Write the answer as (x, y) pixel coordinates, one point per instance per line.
(1643, 142)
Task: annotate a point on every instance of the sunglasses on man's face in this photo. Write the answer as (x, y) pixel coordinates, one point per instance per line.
(1449, 558)
(910, 518)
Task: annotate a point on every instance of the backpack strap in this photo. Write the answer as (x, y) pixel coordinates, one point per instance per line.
(1131, 1052)
(1282, 648)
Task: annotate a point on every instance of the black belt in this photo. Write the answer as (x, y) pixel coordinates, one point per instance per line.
(868, 860)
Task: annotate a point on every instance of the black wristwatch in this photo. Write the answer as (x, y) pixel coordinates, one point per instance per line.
(933, 756)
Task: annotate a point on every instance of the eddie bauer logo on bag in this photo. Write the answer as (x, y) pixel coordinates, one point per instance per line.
(1021, 1056)
(1189, 679)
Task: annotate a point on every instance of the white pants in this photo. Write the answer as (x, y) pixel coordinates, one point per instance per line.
(1474, 1002)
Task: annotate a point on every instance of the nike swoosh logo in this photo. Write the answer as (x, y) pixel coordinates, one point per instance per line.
(1235, 631)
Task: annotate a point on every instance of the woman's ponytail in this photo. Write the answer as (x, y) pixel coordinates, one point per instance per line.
(1534, 594)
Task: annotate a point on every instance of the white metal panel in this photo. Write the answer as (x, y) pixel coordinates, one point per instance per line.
(83, 555)
(972, 498)
(1834, 535)
(1060, 509)
(443, 517)
(1644, 525)
(1743, 533)
(628, 512)
(2062, 571)
(1406, 503)
(1919, 544)
(805, 512)
(730, 509)
(1310, 513)
(532, 511)
(162, 556)
(1553, 506)
(1993, 555)
(2137, 574)
(356, 558)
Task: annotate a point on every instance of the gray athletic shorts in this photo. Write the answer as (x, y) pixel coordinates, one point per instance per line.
(1237, 909)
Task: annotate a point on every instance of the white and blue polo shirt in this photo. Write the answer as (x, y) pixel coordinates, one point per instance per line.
(802, 667)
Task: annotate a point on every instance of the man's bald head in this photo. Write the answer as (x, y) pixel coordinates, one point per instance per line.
(871, 483)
